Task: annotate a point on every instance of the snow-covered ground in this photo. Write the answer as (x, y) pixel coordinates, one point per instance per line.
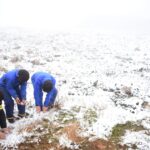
(105, 74)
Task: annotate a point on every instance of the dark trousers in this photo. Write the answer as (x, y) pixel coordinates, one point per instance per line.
(9, 103)
(2, 119)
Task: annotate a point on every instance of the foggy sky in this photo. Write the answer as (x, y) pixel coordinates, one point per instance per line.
(109, 15)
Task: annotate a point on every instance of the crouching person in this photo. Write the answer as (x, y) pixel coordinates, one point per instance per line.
(3, 125)
(44, 82)
(13, 85)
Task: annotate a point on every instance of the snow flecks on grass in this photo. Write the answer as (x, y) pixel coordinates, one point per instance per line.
(119, 130)
(140, 139)
(65, 142)
(12, 141)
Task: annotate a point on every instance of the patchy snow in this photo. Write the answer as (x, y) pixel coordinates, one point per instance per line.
(92, 71)
(141, 139)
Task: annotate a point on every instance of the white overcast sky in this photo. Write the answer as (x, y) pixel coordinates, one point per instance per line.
(113, 15)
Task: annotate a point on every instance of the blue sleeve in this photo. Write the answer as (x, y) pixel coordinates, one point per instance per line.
(53, 81)
(23, 90)
(38, 94)
(50, 97)
(11, 90)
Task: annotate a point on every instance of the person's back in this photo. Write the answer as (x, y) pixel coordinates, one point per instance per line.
(41, 77)
(8, 77)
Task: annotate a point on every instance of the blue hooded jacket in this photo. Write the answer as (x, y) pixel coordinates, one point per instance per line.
(38, 80)
(10, 82)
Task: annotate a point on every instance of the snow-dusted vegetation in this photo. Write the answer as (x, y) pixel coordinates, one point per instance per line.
(104, 90)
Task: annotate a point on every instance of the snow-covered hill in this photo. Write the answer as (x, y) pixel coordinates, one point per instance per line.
(103, 82)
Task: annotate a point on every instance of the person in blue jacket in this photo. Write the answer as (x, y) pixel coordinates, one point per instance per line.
(44, 82)
(13, 85)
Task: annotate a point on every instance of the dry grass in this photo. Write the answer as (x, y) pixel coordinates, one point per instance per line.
(71, 131)
(57, 105)
(30, 127)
